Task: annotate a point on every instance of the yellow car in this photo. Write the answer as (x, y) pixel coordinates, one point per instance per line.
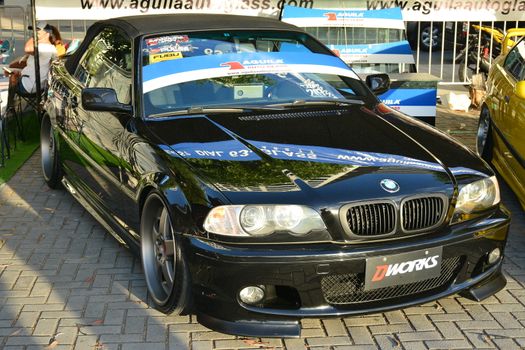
(501, 130)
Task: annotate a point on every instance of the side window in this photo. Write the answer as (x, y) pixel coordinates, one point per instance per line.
(107, 63)
(515, 61)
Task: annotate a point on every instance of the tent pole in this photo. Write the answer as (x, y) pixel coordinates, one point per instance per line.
(37, 59)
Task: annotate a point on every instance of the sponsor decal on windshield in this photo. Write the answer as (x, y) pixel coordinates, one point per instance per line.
(254, 65)
(167, 40)
(165, 56)
(171, 45)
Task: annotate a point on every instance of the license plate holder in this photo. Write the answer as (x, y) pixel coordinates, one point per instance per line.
(404, 268)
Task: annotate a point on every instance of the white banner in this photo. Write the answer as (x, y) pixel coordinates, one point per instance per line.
(426, 10)
(103, 9)
(440, 10)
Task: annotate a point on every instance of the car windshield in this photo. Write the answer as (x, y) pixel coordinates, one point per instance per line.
(242, 68)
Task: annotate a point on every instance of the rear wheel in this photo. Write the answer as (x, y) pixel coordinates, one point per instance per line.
(165, 269)
(484, 142)
(51, 168)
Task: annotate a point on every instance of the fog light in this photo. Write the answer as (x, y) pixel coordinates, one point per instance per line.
(251, 295)
(494, 256)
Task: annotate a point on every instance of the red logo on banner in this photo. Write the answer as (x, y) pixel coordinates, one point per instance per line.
(232, 65)
(332, 16)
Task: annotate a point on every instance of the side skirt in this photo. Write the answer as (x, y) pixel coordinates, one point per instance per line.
(111, 225)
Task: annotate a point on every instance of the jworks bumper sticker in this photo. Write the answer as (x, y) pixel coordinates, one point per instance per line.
(392, 270)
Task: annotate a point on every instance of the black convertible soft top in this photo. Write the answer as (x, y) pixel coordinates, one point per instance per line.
(140, 25)
(136, 26)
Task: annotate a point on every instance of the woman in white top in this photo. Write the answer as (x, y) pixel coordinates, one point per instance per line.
(24, 81)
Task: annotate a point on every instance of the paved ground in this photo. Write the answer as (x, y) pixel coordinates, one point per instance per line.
(65, 283)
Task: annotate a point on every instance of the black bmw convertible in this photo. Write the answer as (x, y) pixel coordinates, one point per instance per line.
(260, 179)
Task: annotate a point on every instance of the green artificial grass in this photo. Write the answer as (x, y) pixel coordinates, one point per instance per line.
(24, 149)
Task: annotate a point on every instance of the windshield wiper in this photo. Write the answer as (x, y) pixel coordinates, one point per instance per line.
(319, 102)
(213, 110)
(195, 110)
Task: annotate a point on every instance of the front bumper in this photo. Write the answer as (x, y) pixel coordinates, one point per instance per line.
(314, 280)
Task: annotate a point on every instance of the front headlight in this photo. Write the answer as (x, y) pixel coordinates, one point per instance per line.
(261, 220)
(476, 196)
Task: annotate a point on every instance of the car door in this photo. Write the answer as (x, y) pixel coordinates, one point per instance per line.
(106, 63)
(513, 113)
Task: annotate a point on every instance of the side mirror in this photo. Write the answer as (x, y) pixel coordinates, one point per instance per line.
(519, 90)
(103, 100)
(378, 83)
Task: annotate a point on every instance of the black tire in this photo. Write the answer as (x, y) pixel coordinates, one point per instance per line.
(471, 69)
(51, 167)
(464, 72)
(484, 138)
(165, 269)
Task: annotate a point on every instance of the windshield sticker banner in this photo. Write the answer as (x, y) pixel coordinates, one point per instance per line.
(395, 52)
(302, 17)
(170, 72)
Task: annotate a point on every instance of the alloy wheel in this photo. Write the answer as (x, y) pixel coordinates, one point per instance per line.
(425, 37)
(158, 251)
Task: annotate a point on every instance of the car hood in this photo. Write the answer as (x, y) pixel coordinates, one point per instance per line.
(303, 155)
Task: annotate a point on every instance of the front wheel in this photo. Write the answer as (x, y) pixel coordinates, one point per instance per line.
(484, 143)
(51, 168)
(165, 269)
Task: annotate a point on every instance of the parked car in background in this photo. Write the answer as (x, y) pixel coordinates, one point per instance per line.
(260, 179)
(502, 121)
(426, 34)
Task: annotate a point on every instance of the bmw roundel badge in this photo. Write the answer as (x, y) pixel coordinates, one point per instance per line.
(389, 185)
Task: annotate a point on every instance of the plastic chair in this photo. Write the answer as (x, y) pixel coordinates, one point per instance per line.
(21, 104)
